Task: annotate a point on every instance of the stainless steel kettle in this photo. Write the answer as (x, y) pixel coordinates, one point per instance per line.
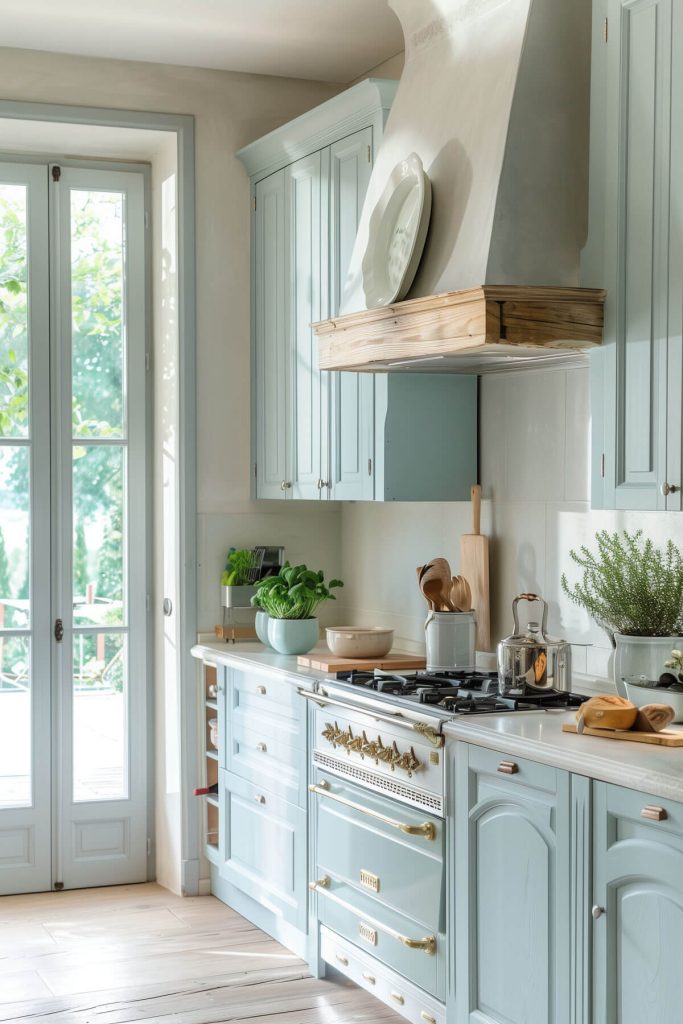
(533, 662)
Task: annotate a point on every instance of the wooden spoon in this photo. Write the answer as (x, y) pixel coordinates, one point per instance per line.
(461, 594)
(433, 591)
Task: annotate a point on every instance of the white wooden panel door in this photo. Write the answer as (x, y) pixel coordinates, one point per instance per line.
(304, 253)
(25, 618)
(351, 395)
(73, 526)
(272, 376)
(100, 518)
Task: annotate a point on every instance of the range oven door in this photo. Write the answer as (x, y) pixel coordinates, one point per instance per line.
(380, 880)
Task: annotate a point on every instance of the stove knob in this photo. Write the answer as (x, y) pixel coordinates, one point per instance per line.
(356, 744)
(409, 762)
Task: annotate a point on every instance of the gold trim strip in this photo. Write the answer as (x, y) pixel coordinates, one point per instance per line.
(322, 886)
(426, 829)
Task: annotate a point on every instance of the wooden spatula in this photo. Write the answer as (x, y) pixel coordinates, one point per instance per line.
(474, 566)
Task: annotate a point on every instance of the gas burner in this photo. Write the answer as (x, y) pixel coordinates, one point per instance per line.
(437, 694)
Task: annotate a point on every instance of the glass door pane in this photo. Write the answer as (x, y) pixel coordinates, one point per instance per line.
(25, 860)
(103, 524)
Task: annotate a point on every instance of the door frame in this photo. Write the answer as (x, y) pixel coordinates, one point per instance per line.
(182, 126)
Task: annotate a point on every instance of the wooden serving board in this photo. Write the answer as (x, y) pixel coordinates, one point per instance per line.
(664, 738)
(331, 663)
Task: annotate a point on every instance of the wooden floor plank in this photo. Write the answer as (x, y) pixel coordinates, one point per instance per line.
(140, 955)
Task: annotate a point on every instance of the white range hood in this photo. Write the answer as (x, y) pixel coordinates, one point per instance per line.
(494, 98)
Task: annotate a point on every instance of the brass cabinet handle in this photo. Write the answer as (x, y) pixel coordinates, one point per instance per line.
(398, 998)
(427, 1017)
(322, 886)
(262, 748)
(426, 829)
(261, 690)
(654, 813)
(508, 768)
(343, 960)
(370, 978)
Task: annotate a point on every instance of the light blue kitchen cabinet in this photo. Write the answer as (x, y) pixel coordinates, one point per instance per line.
(350, 395)
(638, 907)
(511, 913)
(636, 251)
(339, 436)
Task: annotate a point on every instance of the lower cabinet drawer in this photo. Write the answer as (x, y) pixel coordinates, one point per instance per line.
(269, 760)
(400, 943)
(417, 1006)
(389, 851)
(263, 848)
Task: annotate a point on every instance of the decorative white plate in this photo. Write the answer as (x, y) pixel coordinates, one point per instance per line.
(397, 233)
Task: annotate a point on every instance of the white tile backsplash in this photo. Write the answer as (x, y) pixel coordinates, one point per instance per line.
(535, 461)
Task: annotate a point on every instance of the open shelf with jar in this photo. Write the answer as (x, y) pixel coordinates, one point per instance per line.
(209, 787)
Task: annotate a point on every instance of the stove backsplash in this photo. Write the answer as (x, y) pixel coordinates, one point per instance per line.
(535, 439)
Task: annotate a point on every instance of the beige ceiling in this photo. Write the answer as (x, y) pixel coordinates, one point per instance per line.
(328, 40)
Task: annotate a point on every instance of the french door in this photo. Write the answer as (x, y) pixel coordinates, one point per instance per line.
(73, 523)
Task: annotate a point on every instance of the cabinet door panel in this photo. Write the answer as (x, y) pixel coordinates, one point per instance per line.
(263, 848)
(639, 883)
(351, 394)
(271, 362)
(303, 181)
(512, 890)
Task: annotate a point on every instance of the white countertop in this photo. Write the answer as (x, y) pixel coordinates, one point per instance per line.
(536, 735)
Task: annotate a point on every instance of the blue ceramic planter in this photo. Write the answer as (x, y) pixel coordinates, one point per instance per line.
(261, 627)
(293, 636)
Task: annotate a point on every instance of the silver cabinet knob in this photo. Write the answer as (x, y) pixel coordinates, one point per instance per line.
(668, 489)
(597, 912)
(285, 485)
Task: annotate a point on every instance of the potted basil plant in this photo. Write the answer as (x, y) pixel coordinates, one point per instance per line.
(290, 600)
(635, 592)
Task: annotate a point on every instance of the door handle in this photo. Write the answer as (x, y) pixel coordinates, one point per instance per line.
(59, 630)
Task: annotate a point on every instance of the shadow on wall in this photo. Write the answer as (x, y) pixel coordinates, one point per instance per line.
(449, 203)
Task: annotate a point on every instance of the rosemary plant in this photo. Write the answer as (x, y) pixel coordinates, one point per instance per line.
(630, 586)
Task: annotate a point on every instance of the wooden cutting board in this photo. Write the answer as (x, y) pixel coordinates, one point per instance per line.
(331, 663)
(665, 738)
(474, 566)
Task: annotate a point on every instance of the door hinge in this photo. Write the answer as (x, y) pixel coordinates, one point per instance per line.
(369, 467)
(146, 360)
(605, 29)
(369, 153)
(56, 172)
(59, 630)
(602, 465)
(253, 203)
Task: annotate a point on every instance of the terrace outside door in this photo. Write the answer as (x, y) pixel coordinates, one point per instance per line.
(73, 522)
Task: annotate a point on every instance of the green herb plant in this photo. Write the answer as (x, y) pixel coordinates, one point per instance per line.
(630, 586)
(294, 593)
(237, 567)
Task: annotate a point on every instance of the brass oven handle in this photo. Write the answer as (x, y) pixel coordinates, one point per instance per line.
(430, 734)
(428, 944)
(426, 829)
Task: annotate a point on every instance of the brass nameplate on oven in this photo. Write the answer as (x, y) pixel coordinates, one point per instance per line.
(369, 881)
(367, 933)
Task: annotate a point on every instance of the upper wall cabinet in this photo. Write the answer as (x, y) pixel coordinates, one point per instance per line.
(340, 436)
(636, 251)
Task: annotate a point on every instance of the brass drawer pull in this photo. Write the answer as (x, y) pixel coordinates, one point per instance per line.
(322, 886)
(370, 978)
(508, 768)
(261, 690)
(398, 998)
(262, 748)
(426, 829)
(427, 1017)
(343, 960)
(654, 813)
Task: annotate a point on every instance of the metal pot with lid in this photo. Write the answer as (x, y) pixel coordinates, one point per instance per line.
(531, 661)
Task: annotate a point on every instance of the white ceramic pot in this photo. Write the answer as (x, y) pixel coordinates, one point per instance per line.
(261, 626)
(642, 695)
(641, 656)
(293, 636)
